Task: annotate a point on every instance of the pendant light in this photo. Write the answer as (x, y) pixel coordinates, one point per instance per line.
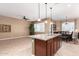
(39, 12)
(66, 20)
(51, 24)
(51, 15)
(46, 12)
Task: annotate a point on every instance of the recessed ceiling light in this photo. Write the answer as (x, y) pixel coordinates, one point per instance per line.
(69, 5)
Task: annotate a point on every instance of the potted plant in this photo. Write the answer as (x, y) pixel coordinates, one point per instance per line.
(31, 29)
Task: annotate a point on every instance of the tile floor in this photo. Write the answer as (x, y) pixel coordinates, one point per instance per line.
(68, 49)
(16, 47)
(23, 47)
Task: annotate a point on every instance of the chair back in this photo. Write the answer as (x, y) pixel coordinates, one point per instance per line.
(75, 35)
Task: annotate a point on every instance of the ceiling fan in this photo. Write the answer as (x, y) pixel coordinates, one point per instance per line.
(24, 17)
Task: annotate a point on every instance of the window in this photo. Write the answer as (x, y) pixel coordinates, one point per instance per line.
(39, 27)
(69, 26)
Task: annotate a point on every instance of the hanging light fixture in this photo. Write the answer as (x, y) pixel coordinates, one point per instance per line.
(46, 9)
(66, 20)
(51, 15)
(51, 20)
(46, 12)
(39, 12)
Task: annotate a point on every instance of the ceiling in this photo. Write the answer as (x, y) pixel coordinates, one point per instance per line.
(30, 10)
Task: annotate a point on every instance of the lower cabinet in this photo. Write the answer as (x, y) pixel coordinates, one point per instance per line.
(47, 48)
(40, 47)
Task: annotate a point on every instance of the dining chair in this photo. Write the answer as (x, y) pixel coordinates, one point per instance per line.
(75, 37)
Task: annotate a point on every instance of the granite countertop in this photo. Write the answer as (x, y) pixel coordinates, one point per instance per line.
(44, 37)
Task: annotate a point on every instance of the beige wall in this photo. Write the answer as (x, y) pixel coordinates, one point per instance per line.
(77, 24)
(58, 25)
(19, 27)
(47, 25)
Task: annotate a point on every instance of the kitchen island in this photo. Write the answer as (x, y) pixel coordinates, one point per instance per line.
(46, 45)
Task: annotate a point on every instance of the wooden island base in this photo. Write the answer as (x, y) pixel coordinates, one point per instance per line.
(47, 48)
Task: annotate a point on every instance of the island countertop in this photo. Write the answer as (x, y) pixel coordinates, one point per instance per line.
(44, 37)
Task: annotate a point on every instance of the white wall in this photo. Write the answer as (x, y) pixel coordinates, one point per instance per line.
(30, 10)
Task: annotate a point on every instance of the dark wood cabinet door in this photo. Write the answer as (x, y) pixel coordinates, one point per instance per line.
(50, 47)
(59, 42)
(54, 45)
(40, 48)
(57, 45)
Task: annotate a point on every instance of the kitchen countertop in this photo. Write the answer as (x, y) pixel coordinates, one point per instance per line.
(44, 37)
